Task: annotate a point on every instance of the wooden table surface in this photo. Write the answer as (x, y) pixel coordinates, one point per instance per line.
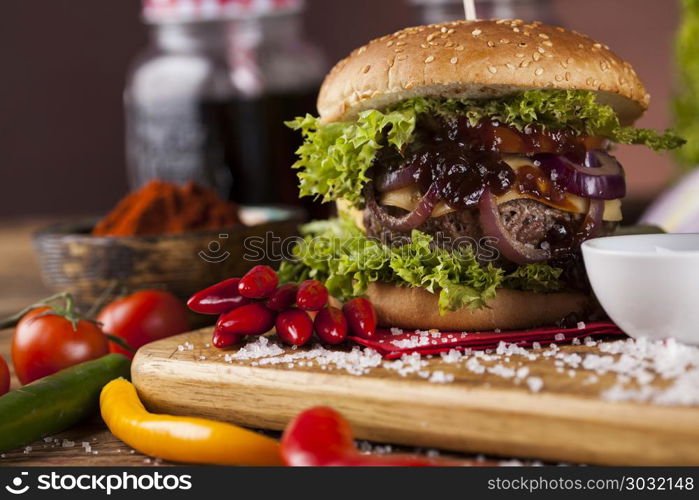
(20, 285)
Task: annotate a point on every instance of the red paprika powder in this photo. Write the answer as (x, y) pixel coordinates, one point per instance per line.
(164, 208)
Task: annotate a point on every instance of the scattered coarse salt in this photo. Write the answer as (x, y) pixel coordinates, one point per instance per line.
(67, 443)
(396, 331)
(453, 356)
(473, 365)
(260, 348)
(535, 384)
(641, 361)
(413, 342)
(27, 450)
(501, 371)
(536, 345)
(581, 325)
(559, 337)
(439, 377)
(522, 372)
(48, 439)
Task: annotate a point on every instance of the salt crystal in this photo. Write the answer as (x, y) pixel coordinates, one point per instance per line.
(535, 384)
(502, 371)
(581, 325)
(453, 356)
(439, 377)
(260, 348)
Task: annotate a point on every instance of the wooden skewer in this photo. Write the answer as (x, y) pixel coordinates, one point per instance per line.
(470, 10)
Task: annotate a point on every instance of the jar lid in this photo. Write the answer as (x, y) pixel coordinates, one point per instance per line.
(156, 11)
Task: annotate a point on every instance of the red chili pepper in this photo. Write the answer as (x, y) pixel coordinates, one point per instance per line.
(294, 326)
(252, 319)
(283, 297)
(218, 299)
(312, 295)
(321, 437)
(258, 283)
(361, 318)
(222, 339)
(330, 325)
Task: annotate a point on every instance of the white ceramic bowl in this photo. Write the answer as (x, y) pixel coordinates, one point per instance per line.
(648, 284)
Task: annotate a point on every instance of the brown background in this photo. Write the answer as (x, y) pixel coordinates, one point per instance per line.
(64, 63)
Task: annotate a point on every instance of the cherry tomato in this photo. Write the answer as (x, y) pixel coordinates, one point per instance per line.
(45, 344)
(361, 318)
(258, 283)
(143, 317)
(4, 377)
(312, 295)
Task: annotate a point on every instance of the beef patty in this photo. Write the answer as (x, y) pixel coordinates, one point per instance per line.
(528, 221)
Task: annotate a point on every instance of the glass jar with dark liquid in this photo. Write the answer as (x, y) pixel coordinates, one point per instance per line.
(207, 100)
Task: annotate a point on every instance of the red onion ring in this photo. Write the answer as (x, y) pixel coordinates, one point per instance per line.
(592, 223)
(396, 179)
(510, 248)
(600, 177)
(409, 221)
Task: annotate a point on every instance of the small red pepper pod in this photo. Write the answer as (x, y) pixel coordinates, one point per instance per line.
(330, 325)
(222, 339)
(294, 326)
(283, 297)
(250, 319)
(312, 295)
(218, 299)
(258, 283)
(361, 318)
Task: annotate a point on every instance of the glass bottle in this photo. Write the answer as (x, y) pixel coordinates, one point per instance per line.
(207, 100)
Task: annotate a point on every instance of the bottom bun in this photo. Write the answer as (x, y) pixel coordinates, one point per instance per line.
(417, 309)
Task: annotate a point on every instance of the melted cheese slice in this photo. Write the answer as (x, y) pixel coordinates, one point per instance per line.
(408, 197)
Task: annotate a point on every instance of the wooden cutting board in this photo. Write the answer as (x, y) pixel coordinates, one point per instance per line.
(482, 413)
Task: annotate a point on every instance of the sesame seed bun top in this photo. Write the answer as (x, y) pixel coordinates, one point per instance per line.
(478, 59)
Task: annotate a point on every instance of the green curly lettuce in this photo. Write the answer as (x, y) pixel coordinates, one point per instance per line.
(334, 158)
(339, 254)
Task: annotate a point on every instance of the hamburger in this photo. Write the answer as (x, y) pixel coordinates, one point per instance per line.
(468, 160)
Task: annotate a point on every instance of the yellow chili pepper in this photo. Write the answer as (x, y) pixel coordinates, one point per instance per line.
(182, 439)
